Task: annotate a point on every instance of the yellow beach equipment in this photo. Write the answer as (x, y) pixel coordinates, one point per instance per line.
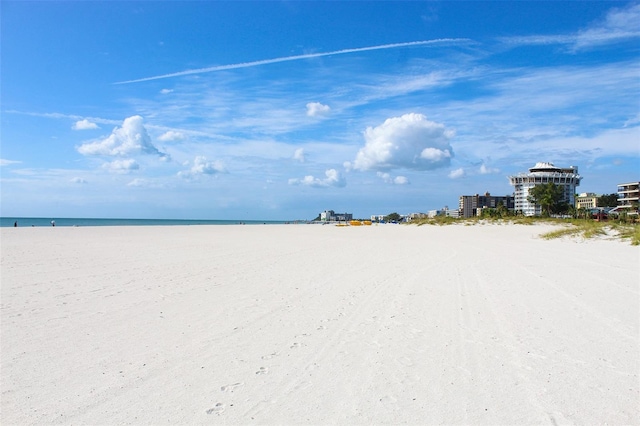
(355, 223)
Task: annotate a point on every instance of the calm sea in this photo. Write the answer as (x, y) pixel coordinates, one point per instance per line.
(63, 221)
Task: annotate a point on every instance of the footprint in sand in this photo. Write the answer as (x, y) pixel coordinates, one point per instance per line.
(263, 370)
(303, 385)
(407, 362)
(266, 357)
(218, 409)
(389, 403)
(231, 388)
(296, 345)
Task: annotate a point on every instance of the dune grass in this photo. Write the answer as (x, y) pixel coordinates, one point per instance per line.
(590, 229)
(585, 229)
(569, 227)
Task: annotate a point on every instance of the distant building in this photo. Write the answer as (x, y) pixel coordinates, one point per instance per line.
(331, 216)
(472, 205)
(377, 218)
(587, 200)
(443, 212)
(628, 195)
(543, 173)
(453, 213)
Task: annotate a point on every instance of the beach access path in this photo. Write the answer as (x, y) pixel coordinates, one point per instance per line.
(310, 324)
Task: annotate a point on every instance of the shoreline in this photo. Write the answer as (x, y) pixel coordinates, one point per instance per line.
(28, 222)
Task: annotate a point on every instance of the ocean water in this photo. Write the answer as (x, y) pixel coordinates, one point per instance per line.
(63, 221)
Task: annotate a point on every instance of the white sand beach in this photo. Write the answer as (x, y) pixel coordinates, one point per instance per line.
(309, 324)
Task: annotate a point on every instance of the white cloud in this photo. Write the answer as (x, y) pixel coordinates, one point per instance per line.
(457, 173)
(171, 136)
(122, 166)
(131, 138)
(84, 125)
(384, 176)
(203, 167)
(299, 155)
(166, 91)
(137, 182)
(333, 178)
(398, 180)
(78, 180)
(484, 170)
(435, 155)
(316, 109)
(410, 141)
(4, 162)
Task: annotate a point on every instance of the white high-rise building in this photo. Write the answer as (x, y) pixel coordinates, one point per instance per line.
(543, 173)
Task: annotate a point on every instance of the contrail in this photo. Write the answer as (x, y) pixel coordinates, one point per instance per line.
(296, 58)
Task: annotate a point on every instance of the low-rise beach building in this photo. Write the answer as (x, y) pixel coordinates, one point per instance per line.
(331, 216)
(415, 216)
(587, 200)
(443, 212)
(540, 174)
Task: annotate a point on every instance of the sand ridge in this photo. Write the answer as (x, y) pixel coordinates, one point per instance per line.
(311, 324)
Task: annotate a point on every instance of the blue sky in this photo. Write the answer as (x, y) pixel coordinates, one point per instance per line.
(279, 110)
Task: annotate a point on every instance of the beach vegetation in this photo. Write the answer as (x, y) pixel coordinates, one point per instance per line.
(608, 200)
(549, 197)
(585, 229)
(441, 220)
(627, 230)
(525, 220)
(393, 217)
(632, 233)
(500, 212)
(591, 229)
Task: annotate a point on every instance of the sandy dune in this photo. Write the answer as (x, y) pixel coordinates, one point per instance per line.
(310, 324)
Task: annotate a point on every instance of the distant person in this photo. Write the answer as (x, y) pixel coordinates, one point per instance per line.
(53, 223)
(15, 224)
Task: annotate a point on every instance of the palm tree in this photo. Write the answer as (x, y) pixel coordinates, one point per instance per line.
(548, 196)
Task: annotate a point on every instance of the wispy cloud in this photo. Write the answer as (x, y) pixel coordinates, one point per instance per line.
(620, 24)
(58, 115)
(299, 57)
